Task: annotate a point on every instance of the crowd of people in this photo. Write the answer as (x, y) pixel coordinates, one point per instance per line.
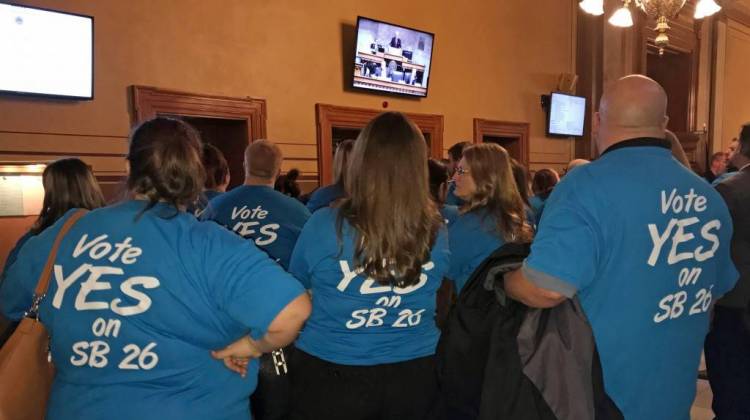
(188, 301)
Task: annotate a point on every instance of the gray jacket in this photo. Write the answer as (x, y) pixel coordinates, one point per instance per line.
(736, 192)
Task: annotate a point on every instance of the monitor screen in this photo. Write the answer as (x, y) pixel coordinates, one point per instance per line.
(46, 52)
(567, 115)
(392, 58)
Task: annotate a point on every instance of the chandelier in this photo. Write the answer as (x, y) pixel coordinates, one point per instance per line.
(660, 10)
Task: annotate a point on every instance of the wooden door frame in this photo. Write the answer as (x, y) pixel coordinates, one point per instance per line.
(148, 102)
(519, 130)
(329, 116)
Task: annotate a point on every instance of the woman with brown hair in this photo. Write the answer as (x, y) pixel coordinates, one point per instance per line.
(542, 185)
(322, 197)
(521, 177)
(217, 178)
(374, 263)
(68, 184)
(143, 292)
(493, 212)
(438, 176)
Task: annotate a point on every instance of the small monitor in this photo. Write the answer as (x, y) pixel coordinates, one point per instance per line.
(566, 115)
(46, 53)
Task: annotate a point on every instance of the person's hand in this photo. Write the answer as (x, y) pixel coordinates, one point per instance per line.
(237, 355)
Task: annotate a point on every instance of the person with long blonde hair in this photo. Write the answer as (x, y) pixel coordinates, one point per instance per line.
(493, 212)
(374, 263)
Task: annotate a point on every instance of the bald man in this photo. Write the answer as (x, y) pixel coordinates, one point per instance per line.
(576, 163)
(255, 211)
(273, 222)
(643, 243)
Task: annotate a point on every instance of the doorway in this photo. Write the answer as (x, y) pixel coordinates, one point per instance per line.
(677, 72)
(230, 137)
(512, 136)
(228, 123)
(338, 123)
(674, 72)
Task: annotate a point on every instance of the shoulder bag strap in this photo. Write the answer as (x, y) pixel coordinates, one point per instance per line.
(43, 283)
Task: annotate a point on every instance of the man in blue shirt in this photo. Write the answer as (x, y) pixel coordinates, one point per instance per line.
(644, 245)
(256, 211)
(273, 221)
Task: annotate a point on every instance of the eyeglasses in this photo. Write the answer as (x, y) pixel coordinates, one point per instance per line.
(461, 170)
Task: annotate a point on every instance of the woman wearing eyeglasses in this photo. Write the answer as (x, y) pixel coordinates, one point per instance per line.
(493, 212)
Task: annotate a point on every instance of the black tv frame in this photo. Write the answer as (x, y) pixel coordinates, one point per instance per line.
(547, 102)
(93, 63)
(385, 92)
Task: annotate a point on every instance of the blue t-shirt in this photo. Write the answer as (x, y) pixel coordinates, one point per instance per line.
(134, 306)
(537, 207)
(268, 217)
(644, 243)
(473, 237)
(451, 198)
(13, 254)
(322, 197)
(449, 213)
(355, 320)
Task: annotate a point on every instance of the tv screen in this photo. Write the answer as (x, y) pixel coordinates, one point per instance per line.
(566, 116)
(46, 52)
(392, 58)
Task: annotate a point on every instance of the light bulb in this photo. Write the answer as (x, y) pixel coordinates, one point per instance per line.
(592, 7)
(622, 18)
(706, 8)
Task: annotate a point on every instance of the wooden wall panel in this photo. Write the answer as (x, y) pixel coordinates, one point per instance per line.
(295, 57)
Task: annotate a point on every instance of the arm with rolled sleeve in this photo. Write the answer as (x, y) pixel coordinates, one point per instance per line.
(251, 288)
(563, 257)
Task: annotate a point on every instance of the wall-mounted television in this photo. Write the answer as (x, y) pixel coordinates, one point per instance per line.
(566, 115)
(392, 58)
(46, 53)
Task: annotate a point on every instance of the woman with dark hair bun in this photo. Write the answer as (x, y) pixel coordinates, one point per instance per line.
(143, 292)
(374, 263)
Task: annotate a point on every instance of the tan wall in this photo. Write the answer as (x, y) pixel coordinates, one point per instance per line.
(492, 59)
(731, 108)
